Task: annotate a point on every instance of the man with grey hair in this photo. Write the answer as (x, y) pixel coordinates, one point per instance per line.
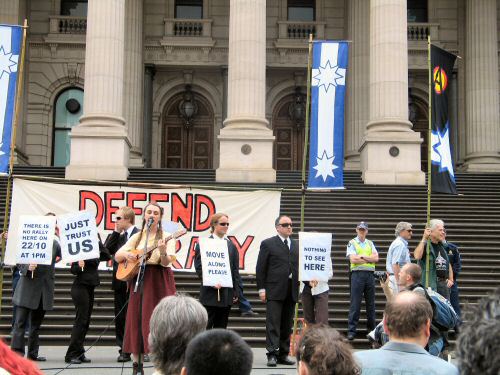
(174, 322)
(398, 254)
(440, 271)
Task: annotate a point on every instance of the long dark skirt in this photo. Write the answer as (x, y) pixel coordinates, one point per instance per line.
(158, 283)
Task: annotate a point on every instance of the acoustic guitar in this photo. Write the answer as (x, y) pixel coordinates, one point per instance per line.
(128, 269)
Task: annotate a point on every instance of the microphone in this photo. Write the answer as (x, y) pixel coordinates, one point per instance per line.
(149, 222)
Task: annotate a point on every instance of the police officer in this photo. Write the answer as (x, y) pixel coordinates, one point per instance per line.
(362, 256)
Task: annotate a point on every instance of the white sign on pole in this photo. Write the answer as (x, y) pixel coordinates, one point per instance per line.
(215, 262)
(314, 256)
(35, 238)
(78, 236)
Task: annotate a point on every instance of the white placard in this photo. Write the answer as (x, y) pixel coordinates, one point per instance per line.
(78, 236)
(314, 253)
(215, 262)
(35, 238)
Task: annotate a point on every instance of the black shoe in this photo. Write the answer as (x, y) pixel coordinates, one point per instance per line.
(38, 358)
(123, 357)
(136, 370)
(84, 359)
(145, 358)
(73, 361)
(350, 336)
(285, 361)
(271, 361)
(250, 313)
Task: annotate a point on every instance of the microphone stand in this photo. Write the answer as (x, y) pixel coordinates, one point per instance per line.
(139, 287)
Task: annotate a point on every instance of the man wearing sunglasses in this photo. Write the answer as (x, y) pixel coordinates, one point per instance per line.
(278, 283)
(398, 254)
(124, 229)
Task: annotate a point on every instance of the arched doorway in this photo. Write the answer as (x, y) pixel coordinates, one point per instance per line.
(187, 140)
(289, 132)
(68, 109)
(419, 117)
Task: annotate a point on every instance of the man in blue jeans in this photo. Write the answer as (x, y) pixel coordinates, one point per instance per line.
(244, 304)
(362, 256)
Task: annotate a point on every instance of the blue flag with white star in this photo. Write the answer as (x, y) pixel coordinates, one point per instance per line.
(442, 173)
(10, 49)
(328, 78)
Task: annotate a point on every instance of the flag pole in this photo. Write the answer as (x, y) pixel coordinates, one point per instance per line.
(304, 164)
(19, 90)
(429, 164)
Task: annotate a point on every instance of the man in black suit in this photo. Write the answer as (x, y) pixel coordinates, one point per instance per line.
(218, 309)
(278, 284)
(124, 229)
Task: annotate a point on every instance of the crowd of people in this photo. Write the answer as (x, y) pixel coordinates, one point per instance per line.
(187, 336)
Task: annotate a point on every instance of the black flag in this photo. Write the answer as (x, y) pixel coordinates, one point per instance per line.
(443, 175)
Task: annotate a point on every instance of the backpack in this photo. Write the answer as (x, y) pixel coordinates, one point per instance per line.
(444, 316)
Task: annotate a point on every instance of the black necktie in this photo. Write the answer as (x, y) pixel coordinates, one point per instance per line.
(286, 243)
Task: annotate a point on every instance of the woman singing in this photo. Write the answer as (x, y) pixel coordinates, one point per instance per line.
(158, 279)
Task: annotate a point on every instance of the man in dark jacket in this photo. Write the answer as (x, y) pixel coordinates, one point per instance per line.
(124, 229)
(34, 294)
(216, 299)
(277, 281)
(82, 294)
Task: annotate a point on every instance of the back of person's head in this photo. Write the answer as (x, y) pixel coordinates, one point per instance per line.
(218, 352)
(174, 322)
(13, 363)
(322, 350)
(479, 339)
(407, 315)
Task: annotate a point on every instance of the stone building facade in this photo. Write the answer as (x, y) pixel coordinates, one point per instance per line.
(220, 84)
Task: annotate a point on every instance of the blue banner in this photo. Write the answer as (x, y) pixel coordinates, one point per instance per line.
(326, 154)
(10, 50)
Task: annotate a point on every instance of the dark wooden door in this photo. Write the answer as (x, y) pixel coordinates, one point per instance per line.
(187, 146)
(289, 141)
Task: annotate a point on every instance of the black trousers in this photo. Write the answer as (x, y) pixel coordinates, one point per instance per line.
(217, 316)
(83, 298)
(362, 283)
(120, 299)
(279, 319)
(22, 317)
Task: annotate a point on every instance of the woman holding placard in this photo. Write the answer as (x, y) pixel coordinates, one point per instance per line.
(218, 300)
(158, 280)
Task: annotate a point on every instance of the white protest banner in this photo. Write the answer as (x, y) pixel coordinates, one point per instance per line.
(78, 235)
(215, 262)
(252, 213)
(314, 251)
(35, 238)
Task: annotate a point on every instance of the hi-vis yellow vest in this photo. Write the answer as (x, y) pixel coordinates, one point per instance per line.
(366, 251)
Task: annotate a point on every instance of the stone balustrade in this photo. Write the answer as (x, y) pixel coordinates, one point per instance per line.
(420, 31)
(188, 27)
(301, 30)
(68, 25)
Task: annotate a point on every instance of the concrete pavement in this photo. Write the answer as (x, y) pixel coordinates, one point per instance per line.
(104, 362)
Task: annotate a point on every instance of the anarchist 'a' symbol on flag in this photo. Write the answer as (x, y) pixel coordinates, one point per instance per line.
(443, 175)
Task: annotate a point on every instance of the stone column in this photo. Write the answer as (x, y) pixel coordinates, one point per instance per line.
(390, 152)
(99, 144)
(246, 142)
(12, 12)
(481, 80)
(133, 79)
(357, 80)
(147, 143)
